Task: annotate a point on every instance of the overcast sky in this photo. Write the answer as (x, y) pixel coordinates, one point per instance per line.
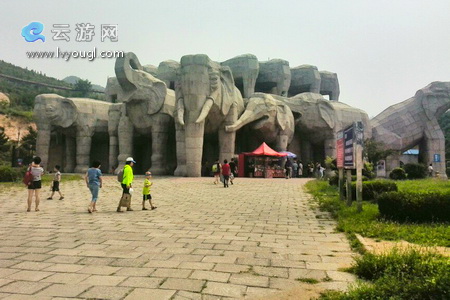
(383, 51)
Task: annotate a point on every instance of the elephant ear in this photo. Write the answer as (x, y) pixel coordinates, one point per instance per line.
(328, 115)
(227, 86)
(159, 91)
(282, 116)
(69, 113)
(428, 104)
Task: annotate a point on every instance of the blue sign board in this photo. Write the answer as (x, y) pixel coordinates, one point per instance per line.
(437, 158)
(349, 161)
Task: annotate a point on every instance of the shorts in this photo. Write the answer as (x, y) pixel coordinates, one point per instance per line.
(216, 173)
(55, 187)
(125, 189)
(146, 197)
(35, 185)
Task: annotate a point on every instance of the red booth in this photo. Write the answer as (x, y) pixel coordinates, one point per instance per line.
(262, 162)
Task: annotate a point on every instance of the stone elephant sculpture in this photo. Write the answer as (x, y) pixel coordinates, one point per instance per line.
(148, 109)
(304, 79)
(77, 119)
(329, 85)
(271, 121)
(415, 122)
(167, 72)
(321, 120)
(207, 101)
(245, 70)
(274, 77)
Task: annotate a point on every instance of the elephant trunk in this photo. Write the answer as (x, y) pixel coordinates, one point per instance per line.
(180, 111)
(246, 118)
(205, 110)
(194, 148)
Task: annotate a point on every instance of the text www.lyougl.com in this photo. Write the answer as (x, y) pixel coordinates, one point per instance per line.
(78, 54)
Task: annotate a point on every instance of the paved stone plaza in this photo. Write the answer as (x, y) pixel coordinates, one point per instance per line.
(252, 240)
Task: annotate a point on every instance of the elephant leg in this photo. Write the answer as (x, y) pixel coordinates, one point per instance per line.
(181, 151)
(70, 154)
(113, 150)
(194, 133)
(249, 86)
(227, 140)
(330, 147)
(84, 141)
(43, 143)
(282, 142)
(125, 133)
(433, 146)
(392, 162)
(159, 148)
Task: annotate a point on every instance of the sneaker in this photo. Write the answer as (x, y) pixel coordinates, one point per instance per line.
(49, 198)
(129, 209)
(154, 207)
(118, 210)
(61, 198)
(89, 210)
(144, 208)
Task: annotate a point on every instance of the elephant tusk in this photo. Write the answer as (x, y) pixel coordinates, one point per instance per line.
(180, 111)
(205, 110)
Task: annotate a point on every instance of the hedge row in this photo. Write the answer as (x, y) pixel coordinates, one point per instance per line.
(9, 174)
(334, 180)
(371, 189)
(415, 207)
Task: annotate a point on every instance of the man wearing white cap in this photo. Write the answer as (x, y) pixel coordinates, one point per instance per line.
(127, 180)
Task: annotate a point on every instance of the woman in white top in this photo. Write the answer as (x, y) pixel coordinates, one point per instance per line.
(35, 186)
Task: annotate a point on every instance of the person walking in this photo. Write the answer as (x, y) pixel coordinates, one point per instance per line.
(126, 184)
(216, 169)
(55, 184)
(233, 169)
(430, 170)
(226, 171)
(94, 182)
(300, 169)
(294, 169)
(288, 168)
(146, 191)
(35, 185)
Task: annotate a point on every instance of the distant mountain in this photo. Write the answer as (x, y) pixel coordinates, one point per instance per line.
(74, 79)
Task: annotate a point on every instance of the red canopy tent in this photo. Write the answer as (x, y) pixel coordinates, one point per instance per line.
(263, 150)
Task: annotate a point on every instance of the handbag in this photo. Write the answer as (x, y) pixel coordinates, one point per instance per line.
(28, 177)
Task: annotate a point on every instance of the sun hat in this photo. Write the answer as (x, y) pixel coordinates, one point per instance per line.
(130, 159)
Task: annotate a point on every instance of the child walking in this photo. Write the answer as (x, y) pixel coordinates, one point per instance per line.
(94, 182)
(146, 191)
(56, 181)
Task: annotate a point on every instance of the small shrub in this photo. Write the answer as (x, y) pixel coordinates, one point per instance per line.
(9, 174)
(334, 180)
(415, 171)
(397, 174)
(415, 207)
(371, 189)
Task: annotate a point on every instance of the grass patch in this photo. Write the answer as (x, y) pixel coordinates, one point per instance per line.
(399, 274)
(368, 222)
(46, 181)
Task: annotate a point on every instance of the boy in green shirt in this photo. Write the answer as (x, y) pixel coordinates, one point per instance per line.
(146, 191)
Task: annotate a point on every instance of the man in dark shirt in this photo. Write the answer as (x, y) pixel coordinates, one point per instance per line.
(226, 173)
(233, 170)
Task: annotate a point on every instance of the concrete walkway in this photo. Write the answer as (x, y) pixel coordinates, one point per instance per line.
(255, 239)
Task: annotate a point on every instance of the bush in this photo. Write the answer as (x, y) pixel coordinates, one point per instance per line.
(415, 171)
(334, 180)
(415, 207)
(9, 174)
(371, 189)
(407, 274)
(397, 174)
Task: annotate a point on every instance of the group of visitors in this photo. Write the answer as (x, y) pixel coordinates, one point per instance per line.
(94, 182)
(225, 172)
(293, 168)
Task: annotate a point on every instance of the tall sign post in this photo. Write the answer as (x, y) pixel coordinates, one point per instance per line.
(359, 141)
(340, 162)
(349, 161)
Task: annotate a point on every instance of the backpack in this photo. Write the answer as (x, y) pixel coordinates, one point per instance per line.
(28, 177)
(214, 168)
(120, 176)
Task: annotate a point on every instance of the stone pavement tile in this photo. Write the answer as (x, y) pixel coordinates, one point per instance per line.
(30, 275)
(288, 263)
(64, 290)
(210, 276)
(177, 250)
(239, 254)
(4, 272)
(106, 292)
(326, 266)
(306, 273)
(27, 297)
(225, 289)
(271, 271)
(196, 265)
(187, 257)
(341, 276)
(68, 252)
(5, 281)
(157, 294)
(142, 282)
(109, 280)
(334, 285)
(199, 246)
(35, 257)
(282, 283)
(254, 261)
(305, 257)
(98, 261)
(69, 278)
(162, 264)
(183, 284)
(208, 252)
(249, 280)
(67, 245)
(64, 268)
(231, 268)
(38, 244)
(98, 270)
(341, 260)
(184, 295)
(5, 263)
(173, 273)
(63, 259)
(220, 259)
(24, 287)
(155, 256)
(9, 255)
(31, 265)
(229, 247)
(135, 271)
(259, 293)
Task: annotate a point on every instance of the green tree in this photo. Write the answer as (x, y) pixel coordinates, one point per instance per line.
(27, 146)
(84, 87)
(5, 147)
(375, 151)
